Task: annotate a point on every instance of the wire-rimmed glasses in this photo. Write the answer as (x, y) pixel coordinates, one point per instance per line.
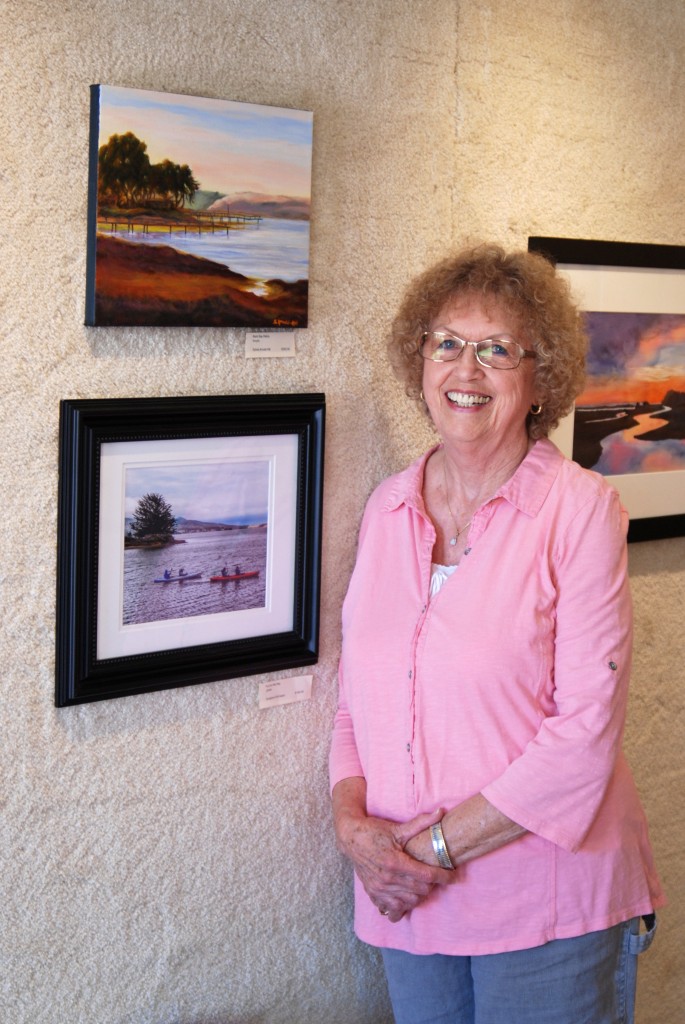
(499, 353)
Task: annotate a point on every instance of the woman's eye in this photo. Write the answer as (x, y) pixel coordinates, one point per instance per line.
(497, 348)
(448, 344)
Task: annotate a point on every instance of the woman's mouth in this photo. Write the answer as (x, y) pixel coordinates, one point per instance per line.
(466, 400)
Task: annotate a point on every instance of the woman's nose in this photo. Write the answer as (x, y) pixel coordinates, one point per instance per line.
(467, 365)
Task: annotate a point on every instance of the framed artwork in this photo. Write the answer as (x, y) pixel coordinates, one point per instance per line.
(198, 211)
(189, 541)
(629, 422)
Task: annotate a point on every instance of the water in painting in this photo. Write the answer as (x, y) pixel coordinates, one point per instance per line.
(631, 416)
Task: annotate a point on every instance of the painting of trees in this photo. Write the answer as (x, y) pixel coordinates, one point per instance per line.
(172, 182)
(166, 244)
(126, 178)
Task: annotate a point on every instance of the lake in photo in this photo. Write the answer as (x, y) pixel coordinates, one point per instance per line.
(206, 553)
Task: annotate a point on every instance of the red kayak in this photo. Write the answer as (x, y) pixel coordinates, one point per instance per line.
(234, 576)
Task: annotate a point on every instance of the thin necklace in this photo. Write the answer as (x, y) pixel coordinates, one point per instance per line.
(457, 531)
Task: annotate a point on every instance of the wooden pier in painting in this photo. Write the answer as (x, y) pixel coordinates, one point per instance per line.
(199, 221)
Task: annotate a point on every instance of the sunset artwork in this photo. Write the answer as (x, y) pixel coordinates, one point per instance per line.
(631, 416)
(198, 211)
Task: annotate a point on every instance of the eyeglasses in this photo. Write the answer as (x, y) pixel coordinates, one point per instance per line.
(497, 353)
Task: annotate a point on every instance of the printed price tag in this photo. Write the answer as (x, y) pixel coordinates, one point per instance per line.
(285, 691)
(267, 344)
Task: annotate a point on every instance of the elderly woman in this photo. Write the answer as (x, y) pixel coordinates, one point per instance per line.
(501, 856)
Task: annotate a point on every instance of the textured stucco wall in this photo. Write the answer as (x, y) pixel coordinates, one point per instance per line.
(168, 857)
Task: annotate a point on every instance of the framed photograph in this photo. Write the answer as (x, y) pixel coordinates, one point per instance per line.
(629, 422)
(189, 541)
(198, 211)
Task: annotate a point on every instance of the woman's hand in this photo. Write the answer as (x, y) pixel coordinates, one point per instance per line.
(471, 830)
(420, 846)
(394, 881)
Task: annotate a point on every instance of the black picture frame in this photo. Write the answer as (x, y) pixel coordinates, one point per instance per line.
(573, 255)
(288, 432)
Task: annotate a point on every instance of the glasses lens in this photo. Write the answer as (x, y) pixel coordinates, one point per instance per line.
(499, 353)
(440, 347)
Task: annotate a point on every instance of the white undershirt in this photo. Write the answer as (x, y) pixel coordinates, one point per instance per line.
(439, 575)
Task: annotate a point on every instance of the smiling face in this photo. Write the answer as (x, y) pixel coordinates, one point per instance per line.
(473, 404)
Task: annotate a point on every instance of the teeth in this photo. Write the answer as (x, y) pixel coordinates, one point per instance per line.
(466, 400)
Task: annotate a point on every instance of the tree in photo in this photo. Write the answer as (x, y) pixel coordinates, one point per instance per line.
(153, 519)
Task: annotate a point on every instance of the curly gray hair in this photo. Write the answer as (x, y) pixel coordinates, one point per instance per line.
(528, 287)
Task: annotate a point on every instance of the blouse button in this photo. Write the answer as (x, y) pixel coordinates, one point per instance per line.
(613, 666)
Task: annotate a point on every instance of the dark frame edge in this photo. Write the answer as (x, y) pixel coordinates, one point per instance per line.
(78, 678)
(66, 612)
(656, 528)
(610, 254)
(313, 525)
(92, 213)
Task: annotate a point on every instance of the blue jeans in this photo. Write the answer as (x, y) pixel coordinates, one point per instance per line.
(586, 980)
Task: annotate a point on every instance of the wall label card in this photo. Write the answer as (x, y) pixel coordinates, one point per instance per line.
(267, 344)
(284, 691)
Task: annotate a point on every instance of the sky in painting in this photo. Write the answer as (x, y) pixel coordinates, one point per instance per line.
(230, 147)
(215, 492)
(634, 357)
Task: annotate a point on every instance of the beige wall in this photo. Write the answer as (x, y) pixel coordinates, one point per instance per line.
(169, 856)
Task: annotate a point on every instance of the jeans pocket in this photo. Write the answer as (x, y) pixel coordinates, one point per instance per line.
(640, 941)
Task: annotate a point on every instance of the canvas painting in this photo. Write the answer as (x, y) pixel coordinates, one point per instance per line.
(198, 211)
(631, 416)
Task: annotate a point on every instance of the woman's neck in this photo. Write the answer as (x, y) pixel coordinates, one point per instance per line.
(472, 476)
(456, 484)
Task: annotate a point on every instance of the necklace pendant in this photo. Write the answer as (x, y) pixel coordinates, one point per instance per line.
(453, 541)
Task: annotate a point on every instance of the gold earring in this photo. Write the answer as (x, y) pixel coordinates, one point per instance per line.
(535, 410)
(421, 395)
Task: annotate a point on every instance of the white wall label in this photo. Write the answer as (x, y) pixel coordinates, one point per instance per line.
(267, 344)
(285, 691)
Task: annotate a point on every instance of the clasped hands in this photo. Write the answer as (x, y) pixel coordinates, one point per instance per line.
(394, 861)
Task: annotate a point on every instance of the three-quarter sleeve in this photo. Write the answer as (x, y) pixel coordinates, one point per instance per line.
(344, 761)
(556, 786)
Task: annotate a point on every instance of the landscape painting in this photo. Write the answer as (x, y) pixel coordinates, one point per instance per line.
(198, 211)
(631, 416)
(195, 539)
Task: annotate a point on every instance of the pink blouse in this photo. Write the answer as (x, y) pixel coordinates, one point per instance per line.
(512, 682)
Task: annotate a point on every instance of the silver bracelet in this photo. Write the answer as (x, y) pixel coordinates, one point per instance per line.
(440, 847)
